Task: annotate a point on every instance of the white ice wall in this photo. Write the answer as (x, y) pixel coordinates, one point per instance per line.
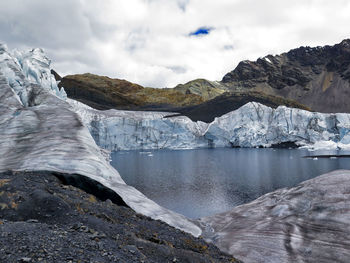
(252, 125)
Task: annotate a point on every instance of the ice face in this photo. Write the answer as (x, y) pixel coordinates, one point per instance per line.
(252, 125)
(257, 125)
(129, 130)
(22, 68)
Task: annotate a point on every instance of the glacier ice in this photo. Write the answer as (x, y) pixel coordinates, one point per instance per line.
(307, 223)
(252, 125)
(130, 130)
(257, 125)
(22, 68)
(39, 131)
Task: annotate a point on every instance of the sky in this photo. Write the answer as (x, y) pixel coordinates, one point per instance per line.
(161, 43)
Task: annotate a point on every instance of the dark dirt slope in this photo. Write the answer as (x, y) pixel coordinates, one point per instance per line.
(228, 102)
(316, 77)
(105, 93)
(43, 220)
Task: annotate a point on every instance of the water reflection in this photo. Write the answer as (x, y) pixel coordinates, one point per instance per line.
(203, 182)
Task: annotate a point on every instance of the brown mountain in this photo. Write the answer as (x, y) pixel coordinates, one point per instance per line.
(205, 88)
(105, 93)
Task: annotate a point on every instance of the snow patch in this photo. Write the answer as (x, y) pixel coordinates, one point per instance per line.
(268, 60)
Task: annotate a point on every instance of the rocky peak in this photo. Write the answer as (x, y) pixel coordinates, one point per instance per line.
(345, 43)
(318, 77)
(293, 67)
(286, 65)
(277, 71)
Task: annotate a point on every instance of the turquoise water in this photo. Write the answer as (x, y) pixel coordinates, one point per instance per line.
(203, 182)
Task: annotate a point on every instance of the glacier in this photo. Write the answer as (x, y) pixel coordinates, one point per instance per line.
(255, 125)
(25, 68)
(252, 125)
(306, 223)
(40, 131)
(132, 130)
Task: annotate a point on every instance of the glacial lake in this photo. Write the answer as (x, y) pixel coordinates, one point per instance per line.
(204, 182)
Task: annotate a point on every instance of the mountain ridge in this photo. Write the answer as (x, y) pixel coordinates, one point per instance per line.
(311, 78)
(318, 77)
(103, 93)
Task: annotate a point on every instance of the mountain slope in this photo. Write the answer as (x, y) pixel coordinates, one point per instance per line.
(202, 87)
(105, 93)
(316, 77)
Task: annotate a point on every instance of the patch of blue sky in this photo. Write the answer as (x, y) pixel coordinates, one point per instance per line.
(201, 31)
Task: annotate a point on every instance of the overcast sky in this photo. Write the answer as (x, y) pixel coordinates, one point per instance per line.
(161, 43)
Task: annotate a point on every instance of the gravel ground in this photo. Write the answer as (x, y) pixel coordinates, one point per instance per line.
(44, 220)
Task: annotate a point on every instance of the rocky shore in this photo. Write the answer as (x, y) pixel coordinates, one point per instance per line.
(44, 220)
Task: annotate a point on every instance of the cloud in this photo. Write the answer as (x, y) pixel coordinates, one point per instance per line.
(183, 4)
(147, 41)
